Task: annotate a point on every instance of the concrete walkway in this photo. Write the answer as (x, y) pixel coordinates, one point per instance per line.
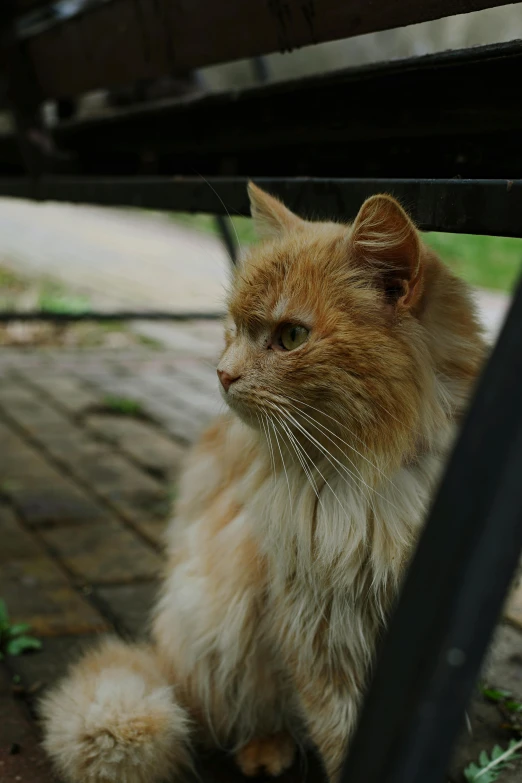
(134, 258)
(120, 257)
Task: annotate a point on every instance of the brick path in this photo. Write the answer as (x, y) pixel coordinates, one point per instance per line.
(84, 494)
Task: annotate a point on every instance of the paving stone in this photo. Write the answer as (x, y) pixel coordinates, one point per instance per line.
(69, 393)
(171, 402)
(131, 605)
(145, 443)
(104, 554)
(21, 756)
(135, 495)
(50, 608)
(39, 491)
(154, 530)
(23, 560)
(59, 503)
(128, 489)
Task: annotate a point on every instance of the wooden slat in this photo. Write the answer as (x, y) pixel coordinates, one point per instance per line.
(444, 115)
(126, 40)
(491, 207)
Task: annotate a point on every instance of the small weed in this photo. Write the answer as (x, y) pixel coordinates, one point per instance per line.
(502, 698)
(14, 639)
(495, 694)
(53, 298)
(488, 769)
(509, 707)
(123, 406)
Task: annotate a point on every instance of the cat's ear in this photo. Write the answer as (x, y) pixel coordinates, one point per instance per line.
(384, 238)
(271, 218)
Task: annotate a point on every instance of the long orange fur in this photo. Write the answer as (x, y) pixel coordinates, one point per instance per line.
(298, 509)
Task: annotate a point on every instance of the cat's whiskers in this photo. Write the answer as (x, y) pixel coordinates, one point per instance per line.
(260, 418)
(293, 439)
(325, 453)
(284, 467)
(329, 456)
(344, 426)
(301, 456)
(319, 445)
(321, 426)
(323, 430)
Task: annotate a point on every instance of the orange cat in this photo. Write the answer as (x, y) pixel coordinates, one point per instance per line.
(350, 354)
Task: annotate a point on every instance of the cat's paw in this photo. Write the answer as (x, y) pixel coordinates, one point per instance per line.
(270, 755)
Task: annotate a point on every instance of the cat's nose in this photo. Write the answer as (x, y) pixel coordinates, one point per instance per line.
(226, 379)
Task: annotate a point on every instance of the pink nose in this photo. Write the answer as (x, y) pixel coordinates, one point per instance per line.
(226, 379)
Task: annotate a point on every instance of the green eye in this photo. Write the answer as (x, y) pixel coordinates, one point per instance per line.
(291, 336)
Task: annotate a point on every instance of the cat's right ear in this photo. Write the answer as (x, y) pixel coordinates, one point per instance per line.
(271, 218)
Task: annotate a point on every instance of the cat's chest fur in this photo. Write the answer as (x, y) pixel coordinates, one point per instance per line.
(270, 570)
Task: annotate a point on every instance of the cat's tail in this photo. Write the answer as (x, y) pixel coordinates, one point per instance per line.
(114, 719)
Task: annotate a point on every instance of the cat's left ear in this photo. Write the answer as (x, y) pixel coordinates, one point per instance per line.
(384, 237)
(271, 218)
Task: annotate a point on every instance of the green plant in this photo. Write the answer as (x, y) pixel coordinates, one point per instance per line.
(502, 698)
(14, 639)
(53, 298)
(488, 769)
(124, 406)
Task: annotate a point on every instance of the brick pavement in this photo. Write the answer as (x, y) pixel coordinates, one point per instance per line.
(84, 494)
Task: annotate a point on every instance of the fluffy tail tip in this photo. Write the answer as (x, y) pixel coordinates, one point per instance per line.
(114, 719)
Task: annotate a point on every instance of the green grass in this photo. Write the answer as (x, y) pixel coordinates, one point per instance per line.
(15, 638)
(487, 262)
(123, 406)
(54, 298)
(207, 224)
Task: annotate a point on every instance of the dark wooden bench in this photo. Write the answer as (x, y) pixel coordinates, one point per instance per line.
(442, 132)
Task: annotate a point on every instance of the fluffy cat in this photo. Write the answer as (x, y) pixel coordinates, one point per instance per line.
(350, 354)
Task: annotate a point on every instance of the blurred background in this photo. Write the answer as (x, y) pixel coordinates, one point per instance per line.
(62, 257)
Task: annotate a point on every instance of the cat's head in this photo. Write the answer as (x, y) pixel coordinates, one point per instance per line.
(338, 325)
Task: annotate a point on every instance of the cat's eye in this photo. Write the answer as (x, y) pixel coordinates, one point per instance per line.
(291, 336)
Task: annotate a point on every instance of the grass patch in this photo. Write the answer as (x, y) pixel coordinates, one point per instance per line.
(208, 225)
(487, 262)
(54, 298)
(123, 406)
(14, 638)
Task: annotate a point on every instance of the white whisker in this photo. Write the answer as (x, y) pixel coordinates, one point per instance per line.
(329, 456)
(318, 425)
(344, 426)
(301, 455)
(261, 417)
(284, 466)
